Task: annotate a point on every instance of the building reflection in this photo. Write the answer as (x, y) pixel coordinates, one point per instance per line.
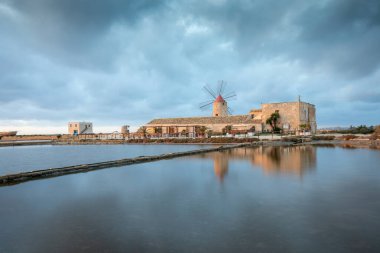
(272, 160)
(220, 165)
(286, 160)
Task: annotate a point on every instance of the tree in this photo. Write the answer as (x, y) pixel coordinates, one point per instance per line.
(227, 129)
(200, 130)
(142, 130)
(273, 120)
(305, 127)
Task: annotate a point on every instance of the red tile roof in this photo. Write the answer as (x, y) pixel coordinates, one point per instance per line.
(219, 99)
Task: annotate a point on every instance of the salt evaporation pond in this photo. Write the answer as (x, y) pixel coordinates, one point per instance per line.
(289, 199)
(28, 158)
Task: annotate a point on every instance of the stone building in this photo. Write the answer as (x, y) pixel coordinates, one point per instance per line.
(195, 126)
(76, 128)
(295, 117)
(125, 129)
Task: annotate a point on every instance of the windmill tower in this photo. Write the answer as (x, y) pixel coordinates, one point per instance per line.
(219, 99)
(219, 107)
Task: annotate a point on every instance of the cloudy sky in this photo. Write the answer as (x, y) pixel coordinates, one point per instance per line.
(122, 62)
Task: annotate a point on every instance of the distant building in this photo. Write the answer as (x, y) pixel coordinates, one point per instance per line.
(295, 117)
(76, 128)
(125, 129)
(195, 126)
(219, 107)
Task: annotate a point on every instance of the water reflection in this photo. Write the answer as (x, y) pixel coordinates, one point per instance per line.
(288, 160)
(178, 205)
(221, 164)
(272, 160)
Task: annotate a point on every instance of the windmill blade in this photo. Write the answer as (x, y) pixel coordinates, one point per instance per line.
(209, 91)
(219, 87)
(231, 95)
(205, 104)
(222, 87)
(229, 110)
(205, 107)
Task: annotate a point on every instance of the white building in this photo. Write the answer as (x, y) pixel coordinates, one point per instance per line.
(76, 128)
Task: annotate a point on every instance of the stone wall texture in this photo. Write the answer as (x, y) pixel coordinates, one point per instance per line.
(292, 115)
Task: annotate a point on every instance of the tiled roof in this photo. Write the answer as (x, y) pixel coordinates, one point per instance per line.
(219, 99)
(236, 119)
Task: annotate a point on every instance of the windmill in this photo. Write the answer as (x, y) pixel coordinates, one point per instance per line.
(218, 100)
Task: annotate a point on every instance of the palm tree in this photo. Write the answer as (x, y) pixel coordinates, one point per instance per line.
(142, 130)
(273, 120)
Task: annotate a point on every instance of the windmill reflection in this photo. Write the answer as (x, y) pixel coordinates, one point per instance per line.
(220, 165)
(272, 160)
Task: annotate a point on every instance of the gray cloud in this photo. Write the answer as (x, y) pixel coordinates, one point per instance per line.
(118, 62)
(343, 35)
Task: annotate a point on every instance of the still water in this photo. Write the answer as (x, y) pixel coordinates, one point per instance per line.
(289, 199)
(28, 158)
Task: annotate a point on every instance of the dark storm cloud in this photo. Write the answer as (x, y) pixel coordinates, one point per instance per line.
(129, 61)
(345, 34)
(332, 33)
(73, 31)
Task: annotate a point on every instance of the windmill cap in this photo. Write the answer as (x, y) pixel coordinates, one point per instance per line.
(219, 99)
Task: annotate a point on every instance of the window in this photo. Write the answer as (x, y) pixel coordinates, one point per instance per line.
(70, 125)
(277, 111)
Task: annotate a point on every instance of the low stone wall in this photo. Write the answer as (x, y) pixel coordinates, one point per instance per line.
(25, 143)
(32, 137)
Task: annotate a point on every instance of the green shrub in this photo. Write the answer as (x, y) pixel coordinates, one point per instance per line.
(362, 129)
